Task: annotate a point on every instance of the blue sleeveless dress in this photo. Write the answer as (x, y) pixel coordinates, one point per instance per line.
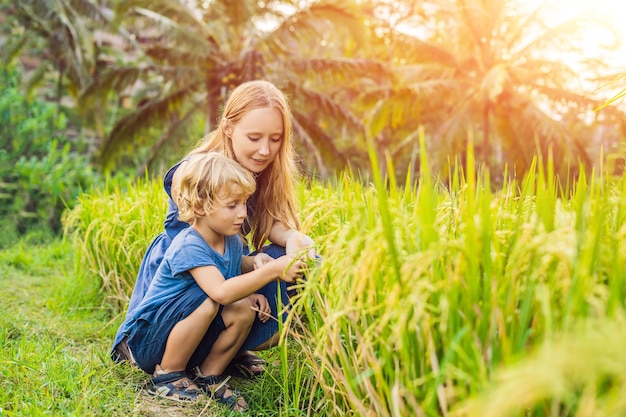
(261, 332)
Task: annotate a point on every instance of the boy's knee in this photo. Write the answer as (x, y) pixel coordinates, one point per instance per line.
(240, 312)
(209, 308)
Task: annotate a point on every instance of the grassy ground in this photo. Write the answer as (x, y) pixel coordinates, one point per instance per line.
(54, 339)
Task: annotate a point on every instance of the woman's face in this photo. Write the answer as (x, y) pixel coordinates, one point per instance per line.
(257, 138)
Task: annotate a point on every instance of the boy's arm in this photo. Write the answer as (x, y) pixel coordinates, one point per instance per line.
(227, 291)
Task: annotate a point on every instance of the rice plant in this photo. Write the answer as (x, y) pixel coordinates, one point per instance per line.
(112, 229)
(414, 312)
(431, 299)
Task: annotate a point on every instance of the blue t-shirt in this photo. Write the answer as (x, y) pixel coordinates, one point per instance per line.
(187, 251)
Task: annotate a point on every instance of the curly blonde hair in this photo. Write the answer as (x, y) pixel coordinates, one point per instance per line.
(276, 196)
(207, 177)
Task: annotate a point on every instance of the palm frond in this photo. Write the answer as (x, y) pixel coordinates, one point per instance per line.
(158, 11)
(325, 104)
(123, 78)
(171, 141)
(561, 34)
(520, 24)
(415, 50)
(155, 113)
(312, 24)
(325, 152)
(337, 69)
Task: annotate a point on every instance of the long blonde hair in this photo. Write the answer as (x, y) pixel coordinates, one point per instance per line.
(207, 177)
(276, 184)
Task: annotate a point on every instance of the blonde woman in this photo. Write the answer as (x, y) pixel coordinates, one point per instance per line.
(255, 130)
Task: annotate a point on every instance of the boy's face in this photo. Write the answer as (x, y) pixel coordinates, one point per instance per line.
(228, 214)
(257, 138)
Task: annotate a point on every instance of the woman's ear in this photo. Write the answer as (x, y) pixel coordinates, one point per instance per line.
(228, 128)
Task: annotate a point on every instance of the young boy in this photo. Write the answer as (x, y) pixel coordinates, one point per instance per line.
(199, 308)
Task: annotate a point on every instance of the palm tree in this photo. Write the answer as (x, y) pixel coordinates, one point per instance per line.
(195, 52)
(488, 69)
(58, 35)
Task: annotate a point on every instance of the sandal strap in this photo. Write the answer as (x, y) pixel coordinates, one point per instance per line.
(219, 394)
(231, 401)
(169, 377)
(174, 386)
(211, 379)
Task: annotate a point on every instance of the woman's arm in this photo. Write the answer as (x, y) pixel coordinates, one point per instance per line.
(293, 240)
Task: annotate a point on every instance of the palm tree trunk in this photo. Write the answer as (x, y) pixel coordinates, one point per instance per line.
(59, 89)
(486, 151)
(212, 104)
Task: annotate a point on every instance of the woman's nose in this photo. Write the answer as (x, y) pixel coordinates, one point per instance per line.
(264, 148)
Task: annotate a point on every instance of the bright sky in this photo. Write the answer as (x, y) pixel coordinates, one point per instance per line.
(612, 11)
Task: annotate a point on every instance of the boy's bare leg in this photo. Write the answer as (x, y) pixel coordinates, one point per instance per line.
(186, 336)
(238, 319)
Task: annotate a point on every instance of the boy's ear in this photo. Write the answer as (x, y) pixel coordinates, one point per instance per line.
(199, 211)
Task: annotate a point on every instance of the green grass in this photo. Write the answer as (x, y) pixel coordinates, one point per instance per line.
(55, 335)
(51, 350)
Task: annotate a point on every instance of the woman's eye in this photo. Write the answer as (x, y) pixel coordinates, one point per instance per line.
(276, 140)
(253, 138)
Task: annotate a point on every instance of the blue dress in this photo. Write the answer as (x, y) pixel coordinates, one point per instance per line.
(261, 332)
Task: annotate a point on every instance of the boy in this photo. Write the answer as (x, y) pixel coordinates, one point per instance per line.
(199, 308)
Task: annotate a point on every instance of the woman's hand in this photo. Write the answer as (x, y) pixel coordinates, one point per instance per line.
(261, 259)
(297, 243)
(260, 304)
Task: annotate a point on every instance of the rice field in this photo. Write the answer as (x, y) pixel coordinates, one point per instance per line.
(432, 298)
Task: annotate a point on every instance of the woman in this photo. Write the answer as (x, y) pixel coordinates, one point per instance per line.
(255, 130)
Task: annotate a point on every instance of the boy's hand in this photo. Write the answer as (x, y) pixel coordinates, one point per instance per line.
(260, 304)
(290, 269)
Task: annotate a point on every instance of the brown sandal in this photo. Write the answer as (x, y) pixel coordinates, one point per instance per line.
(241, 366)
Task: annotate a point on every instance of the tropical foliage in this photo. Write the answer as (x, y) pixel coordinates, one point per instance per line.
(195, 52)
(57, 35)
(41, 172)
(354, 71)
(487, 70)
